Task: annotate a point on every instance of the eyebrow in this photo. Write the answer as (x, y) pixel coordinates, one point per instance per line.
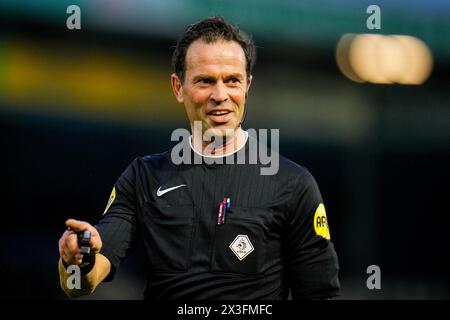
(209, 77)
(202, 77)
(234, 75)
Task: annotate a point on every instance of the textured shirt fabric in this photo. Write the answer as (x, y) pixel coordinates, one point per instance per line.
(190, 256)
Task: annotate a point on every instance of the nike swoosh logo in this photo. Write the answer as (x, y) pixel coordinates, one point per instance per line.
(160, 192)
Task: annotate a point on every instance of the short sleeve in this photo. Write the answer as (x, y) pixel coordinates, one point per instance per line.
(312, 263)
(118, 225)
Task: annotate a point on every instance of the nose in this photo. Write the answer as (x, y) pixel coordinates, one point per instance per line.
(219, 94)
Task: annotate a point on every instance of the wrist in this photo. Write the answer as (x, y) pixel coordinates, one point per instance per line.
(86, 265)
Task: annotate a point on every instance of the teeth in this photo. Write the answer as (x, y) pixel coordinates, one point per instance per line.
(218, 113)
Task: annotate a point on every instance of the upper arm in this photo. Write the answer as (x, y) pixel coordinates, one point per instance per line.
(118, 225)
(312, 262)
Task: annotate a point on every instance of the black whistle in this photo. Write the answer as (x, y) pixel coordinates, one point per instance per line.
(83, 240)
(88, 260)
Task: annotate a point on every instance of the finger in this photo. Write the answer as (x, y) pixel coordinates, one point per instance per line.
(78, 226)
(70, 258)
(69, 232)
(63, 249)
(79, 258)
(96, 243)
(72, 245)
(67, 237)
(60, 245)
(67, 256)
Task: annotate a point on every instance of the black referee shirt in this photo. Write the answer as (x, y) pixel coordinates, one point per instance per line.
(274, 236)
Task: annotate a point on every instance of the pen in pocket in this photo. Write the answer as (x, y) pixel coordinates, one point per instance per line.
(223, 206)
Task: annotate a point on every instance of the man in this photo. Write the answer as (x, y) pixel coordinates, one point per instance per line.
(212, 230)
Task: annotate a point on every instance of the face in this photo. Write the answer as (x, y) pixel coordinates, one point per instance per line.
(215, 85)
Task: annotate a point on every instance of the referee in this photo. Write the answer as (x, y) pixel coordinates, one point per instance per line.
(215, 229)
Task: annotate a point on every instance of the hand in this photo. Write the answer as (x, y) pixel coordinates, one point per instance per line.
(68, 243)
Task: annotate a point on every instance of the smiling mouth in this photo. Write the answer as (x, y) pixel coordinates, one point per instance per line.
(220, 116)
(218, 112)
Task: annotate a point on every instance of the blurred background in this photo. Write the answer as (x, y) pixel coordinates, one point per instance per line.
(369, 116)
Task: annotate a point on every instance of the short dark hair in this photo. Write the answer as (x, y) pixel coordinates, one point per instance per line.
(210, 30)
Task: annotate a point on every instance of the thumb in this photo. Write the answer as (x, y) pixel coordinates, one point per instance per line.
(78, 226)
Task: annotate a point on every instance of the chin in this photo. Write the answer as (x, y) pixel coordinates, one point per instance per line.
(221, 131)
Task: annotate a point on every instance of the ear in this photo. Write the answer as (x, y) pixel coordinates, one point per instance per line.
(177, 87)
(249, 82)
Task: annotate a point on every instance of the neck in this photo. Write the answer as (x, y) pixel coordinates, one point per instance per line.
(219, 147)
